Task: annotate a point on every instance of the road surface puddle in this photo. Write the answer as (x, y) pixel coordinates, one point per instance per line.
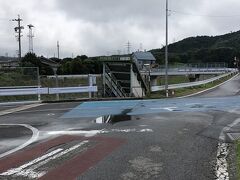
(112, 119)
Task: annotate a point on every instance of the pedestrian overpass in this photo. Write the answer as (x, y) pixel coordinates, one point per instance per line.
(190, 69)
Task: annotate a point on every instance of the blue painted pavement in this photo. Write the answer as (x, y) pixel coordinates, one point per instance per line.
(141, 107)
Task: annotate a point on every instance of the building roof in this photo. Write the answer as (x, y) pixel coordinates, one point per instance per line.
(144, 56)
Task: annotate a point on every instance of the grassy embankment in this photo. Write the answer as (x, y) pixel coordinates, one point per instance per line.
(190, 90)
(238, 159)
(21, 79)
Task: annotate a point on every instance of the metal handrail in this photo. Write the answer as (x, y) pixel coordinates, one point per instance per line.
(191, 84)
(119, 93)
(114, 79)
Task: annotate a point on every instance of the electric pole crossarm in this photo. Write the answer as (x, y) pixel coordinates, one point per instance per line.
(18, 30)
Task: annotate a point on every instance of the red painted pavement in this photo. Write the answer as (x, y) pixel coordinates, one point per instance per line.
(71, 168)
(78, 165)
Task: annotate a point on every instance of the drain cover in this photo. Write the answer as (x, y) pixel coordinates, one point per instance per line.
(234, 136)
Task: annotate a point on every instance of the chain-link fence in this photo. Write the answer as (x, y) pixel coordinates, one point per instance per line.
(69, 81)
(27, 78)
(19, 77)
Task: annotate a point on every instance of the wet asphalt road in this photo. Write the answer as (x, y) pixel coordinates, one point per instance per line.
(231, 88)
(162, 139)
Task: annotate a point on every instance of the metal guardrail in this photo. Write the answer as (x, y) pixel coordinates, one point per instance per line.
(186, 71)
(191, 84)
(66, 90)
(44, 91)
(73, 76)
(23, 91)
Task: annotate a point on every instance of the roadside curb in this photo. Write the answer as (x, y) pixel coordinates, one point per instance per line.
(93, 99)
(190, 95)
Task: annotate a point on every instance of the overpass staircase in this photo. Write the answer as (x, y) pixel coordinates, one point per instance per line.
(123, 79)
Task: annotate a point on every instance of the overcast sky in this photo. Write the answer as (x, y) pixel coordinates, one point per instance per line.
(103, 27)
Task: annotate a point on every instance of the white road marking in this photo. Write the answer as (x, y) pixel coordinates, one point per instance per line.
(13, 110)
(129, 130)
(86, 133)
(7, 104)
(19, 169)
(36, 163)
(143, 125)
(95, 132)
(51, 114)
(35, 135)
(165, 108)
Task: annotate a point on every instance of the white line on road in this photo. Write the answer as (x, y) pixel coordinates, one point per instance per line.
(85, 133)
(7, 104)
(13, 110)
(35, 135)
(165, 108)
(95, 132)
(19, 169)
(30, 172)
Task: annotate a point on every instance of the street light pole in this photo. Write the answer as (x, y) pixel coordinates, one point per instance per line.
(166, 52)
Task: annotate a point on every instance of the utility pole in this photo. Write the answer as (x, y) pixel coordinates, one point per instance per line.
(166, 52)
(30, 36)
(18, 30)
(58, 47)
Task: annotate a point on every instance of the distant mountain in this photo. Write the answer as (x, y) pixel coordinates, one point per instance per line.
(202, 49)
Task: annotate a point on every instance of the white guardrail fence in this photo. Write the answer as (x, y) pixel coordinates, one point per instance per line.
(43, 91)
(191, 84)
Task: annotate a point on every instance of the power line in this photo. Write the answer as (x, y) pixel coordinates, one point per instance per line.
(203, 15)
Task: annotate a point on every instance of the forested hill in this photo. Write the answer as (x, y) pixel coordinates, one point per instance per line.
(202, 49)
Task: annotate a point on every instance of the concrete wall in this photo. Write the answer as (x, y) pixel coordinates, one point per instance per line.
(136, 88)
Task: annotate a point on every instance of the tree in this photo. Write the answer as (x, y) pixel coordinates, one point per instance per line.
(31, 60)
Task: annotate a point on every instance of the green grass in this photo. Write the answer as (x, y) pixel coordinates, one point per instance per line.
(19, 79)
(172, 80)
(238, 159)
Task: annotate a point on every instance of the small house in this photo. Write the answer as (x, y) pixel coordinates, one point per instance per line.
(143, 58)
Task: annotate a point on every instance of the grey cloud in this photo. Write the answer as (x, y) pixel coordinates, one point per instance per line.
(95, 27)
(108, 11)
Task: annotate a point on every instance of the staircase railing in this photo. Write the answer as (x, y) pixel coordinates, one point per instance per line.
(113, 84)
